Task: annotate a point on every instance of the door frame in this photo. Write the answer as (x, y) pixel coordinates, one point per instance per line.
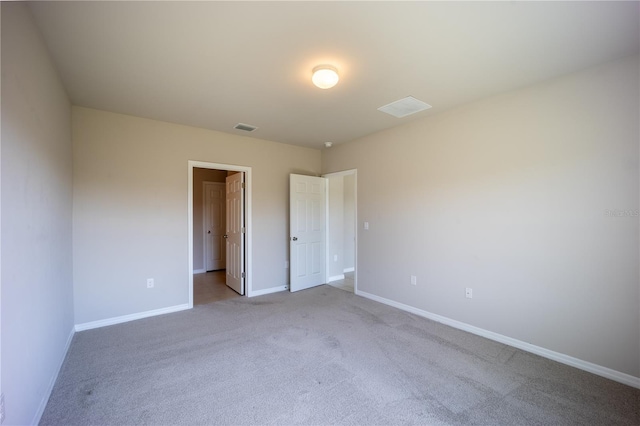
(247, 220)
(353, 172)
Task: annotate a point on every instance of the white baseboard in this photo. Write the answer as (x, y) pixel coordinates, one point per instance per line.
(52, 382)
(349, 270)
(599, 370)
(335, 278)
(268, 291)
(131, 317)
(199, 271)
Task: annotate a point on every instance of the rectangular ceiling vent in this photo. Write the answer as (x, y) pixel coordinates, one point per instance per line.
(405, 106)
(245, 127)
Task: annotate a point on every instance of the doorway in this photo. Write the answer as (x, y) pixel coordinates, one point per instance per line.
(342, 230)
(200, 249)
(209, 216)
(209, 230)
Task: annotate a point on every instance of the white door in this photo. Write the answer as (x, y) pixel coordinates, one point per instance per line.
(307, 204)
(235, 232)
(214, 225)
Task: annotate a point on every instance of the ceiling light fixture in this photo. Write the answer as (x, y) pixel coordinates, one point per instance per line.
(325, 76)
(328, 144)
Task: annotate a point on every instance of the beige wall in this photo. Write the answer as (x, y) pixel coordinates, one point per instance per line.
(130, 208)
(199, 177)
(509, 196)
(37, 298)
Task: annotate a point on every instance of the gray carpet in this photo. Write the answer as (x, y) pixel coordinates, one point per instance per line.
(320, 356)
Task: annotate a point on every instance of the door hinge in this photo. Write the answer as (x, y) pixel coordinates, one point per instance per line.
(242, 185)
(243, 230)
(243, 275)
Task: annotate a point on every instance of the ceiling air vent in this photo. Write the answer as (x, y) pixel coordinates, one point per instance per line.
(245, 127)
(405, 106)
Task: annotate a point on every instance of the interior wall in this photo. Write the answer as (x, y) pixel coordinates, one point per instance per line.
(530, 198)
(336, 227)
(130, 208)
(199, 177)
(37, 300)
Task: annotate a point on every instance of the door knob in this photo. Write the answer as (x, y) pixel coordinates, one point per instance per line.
(295, 238)
(225, 236)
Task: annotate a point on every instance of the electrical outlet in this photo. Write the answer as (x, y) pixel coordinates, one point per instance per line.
(1, 408)
(335, 257)
(414, 280)
(366, 225)
(150, 283)
(468, 292)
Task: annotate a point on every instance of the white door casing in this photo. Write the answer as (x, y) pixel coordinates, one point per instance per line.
(307, 236)
(214, 225)
(248, 240)
(235, 232)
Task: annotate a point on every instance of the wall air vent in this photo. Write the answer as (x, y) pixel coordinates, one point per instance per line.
(405, 106)
(245, 127)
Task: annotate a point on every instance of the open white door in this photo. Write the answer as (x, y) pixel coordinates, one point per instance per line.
(307, 203)
(235, 232)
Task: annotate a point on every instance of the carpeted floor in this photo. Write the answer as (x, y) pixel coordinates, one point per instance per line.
(319, 356)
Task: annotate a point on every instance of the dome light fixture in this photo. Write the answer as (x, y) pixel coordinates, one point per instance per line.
(325, 76)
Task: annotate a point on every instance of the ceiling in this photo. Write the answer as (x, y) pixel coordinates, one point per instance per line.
(215, 64)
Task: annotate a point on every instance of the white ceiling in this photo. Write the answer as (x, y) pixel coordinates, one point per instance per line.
(214, 64)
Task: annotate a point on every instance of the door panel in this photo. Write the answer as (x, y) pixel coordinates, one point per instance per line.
(214, 225)
(317, 259)
(301, 262)
(235, 232)
(307, 231)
